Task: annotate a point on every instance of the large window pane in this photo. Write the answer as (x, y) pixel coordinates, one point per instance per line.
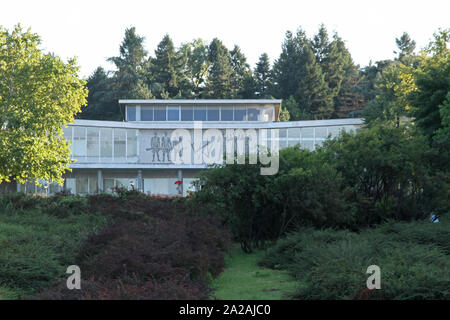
(307, 133)
(187, 114)
(93, 142)
(82, 185)
(131, 113)
(253, 114)
(226, 114)
(146, 113)
(93, 185)
(119, 143)
(160, 114)
(131, 143)
(240, 114)
(321, 132)
(106, 143)
(213, 114)
(173, 113)
(79, 142)
(200, 114)
(294, 133)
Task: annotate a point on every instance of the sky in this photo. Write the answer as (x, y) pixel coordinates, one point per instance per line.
(92, 30)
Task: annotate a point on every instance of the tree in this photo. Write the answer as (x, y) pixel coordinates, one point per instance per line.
(129, 78)
(241, 72)
(431, 84)
(167, 68)
(39, 96)
(219, 84)
(197, 65)
(263, 77)
(101, 101)
(297, 73)
(405, 46)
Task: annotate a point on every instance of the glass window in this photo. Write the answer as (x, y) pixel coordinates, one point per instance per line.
(240, 114)
(105, 142)
(200, 114)
(93, 142)
(321, 132)
(187, 114)
(307, 133)
(268, 113)
(334, 131)
(213, 114)
(226, 114)
(160, 114)
(146, 113)
(282, 133)
(132, 143)
(82, 185)
(108, 185)
(173, 113)
(79, 142)
(253, 114)
(93, 186)
(119, 143)
(294, 133)
(70, 185)
(131, 113)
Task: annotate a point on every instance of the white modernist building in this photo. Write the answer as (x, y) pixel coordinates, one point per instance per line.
(139, 152)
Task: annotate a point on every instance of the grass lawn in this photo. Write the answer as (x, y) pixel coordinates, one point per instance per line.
(243, 279)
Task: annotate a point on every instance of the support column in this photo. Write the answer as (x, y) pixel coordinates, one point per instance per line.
(180, 178)
(100, 181)
(140, 184)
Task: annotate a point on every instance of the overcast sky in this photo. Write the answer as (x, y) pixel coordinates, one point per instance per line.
(92, 30)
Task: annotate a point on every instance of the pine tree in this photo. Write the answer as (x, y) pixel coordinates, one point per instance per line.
(405, 46)
(263, 77)
(129, 78)
(167, 68)
(101, 103)
(241, 73)
(219, 84)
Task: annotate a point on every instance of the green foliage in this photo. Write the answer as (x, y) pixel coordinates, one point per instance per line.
(432, 84)
(39, 238)
(388, 172)
(259, 208)
(329, 264)
(34, 85)
(219, 83)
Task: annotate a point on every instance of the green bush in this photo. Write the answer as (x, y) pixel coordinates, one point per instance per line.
(260, 208)
(37, 246)
(329, 264)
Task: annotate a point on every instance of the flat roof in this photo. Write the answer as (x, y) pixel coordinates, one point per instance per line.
(217, 124)
(203, 101)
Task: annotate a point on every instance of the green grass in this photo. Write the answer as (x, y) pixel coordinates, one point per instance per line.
(243, 279)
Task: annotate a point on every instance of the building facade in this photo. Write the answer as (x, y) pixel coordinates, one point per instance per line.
(144, 151)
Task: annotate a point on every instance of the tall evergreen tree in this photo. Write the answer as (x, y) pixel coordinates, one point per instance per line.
(129, 78)
(297, 73)
(263, 76)
(101, 101)
(219, 84)
(167, 69)
(405, 46)
(241, 73)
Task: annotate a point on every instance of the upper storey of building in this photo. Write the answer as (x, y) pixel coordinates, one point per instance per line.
(217, 110)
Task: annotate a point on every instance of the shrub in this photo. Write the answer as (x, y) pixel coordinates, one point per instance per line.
(330, 264)
(152, 249)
